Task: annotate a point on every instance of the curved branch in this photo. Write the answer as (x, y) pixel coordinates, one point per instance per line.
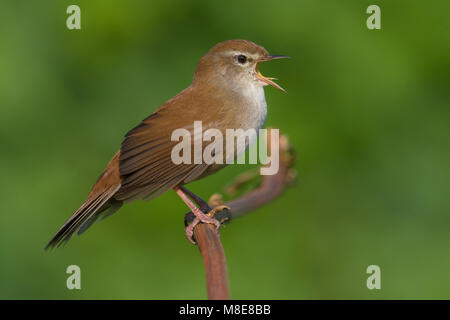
(207, 237)
(208, 241)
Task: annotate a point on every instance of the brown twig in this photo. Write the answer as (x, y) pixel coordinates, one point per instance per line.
(208, 241)
(206, 235)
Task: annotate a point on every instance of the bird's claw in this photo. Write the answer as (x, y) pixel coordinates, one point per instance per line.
(204, 218)
(217, 209)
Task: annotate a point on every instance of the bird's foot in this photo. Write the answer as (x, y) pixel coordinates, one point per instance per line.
(190, 230)
(217, 209)
(201, 217)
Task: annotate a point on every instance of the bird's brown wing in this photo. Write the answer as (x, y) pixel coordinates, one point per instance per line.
(146, 167)
(143, 167)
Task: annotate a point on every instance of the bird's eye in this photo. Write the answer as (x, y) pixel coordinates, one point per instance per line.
(241, 59)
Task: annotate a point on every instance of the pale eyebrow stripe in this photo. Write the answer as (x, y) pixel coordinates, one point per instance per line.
(234, 53)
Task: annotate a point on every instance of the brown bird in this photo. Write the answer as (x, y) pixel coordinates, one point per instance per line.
(226, 93)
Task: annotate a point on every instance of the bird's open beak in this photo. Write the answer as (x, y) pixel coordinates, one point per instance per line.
(268, 80)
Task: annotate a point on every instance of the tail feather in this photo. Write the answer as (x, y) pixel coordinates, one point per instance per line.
(108, 209)
(99, 200)
(83, 217)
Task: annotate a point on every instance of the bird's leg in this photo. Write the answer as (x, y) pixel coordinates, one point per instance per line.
(199, 215)
(203, 205)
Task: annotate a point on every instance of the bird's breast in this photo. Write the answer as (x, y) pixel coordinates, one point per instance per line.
(249, 113)
(251, 110)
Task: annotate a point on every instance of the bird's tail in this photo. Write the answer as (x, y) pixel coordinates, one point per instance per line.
(100, 201)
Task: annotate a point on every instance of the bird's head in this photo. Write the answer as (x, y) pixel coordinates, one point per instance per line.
(235, 63)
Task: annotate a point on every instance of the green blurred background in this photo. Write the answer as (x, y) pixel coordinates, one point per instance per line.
(367, 112)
